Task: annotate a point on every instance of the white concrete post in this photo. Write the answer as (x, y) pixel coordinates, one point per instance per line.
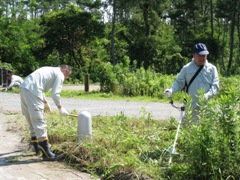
(84, 127)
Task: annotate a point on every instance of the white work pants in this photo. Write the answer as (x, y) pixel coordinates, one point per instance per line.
(33, 110)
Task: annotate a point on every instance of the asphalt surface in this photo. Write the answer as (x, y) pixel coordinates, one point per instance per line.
(157, 110)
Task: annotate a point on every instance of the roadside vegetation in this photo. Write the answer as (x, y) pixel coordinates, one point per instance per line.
(129, 148)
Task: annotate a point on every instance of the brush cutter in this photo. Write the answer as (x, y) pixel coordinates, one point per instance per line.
(172, 150)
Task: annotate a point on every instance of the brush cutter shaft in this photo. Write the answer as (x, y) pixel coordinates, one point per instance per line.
(178, 129)
(73, 115)
(181, 109)
(173, 151)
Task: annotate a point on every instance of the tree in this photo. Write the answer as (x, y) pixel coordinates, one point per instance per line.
(229, 12)
(17, 43)
(67, 32)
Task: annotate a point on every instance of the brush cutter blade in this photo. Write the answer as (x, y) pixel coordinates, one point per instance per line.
(173, 152)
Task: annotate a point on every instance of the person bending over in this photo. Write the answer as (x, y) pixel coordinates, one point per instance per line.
(16, 81)
(34, 104)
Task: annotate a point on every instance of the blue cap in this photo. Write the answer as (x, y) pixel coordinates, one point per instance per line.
(200, 49)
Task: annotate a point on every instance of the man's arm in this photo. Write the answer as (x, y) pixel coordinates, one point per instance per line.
(47, 108)
(179, 83)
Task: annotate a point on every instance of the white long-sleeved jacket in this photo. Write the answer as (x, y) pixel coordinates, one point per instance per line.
(207, 79)
(15, 81)
(44, 79)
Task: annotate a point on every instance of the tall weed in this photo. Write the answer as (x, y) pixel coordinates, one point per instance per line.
(211, 149)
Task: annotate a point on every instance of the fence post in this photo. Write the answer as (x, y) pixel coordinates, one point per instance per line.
(86, 83)
(9, 80)
(1, 76)
(5, 81)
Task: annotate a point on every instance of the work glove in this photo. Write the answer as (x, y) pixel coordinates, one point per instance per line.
(168, 93)
(207, 96)
(63, 111)
(47, 108)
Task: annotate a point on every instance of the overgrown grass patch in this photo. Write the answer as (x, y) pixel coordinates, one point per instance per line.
(120, 146)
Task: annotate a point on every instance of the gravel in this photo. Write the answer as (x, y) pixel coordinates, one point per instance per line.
(158, 111)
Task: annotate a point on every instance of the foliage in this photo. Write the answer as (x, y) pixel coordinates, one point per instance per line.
(155, 33)
(68, 32)
(17, 44)
(139, 82)
(126, 80)
(6, 66)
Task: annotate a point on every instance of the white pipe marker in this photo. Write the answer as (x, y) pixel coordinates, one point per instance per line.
(84, 127)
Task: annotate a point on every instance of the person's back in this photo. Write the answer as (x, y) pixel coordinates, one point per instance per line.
(15, 81)
(42, 80)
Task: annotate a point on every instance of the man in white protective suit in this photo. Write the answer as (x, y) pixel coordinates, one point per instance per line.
(16, 81)
(34, 104)
(206, 78)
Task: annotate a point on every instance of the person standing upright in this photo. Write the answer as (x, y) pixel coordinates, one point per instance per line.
(206, 78)
(34, 104)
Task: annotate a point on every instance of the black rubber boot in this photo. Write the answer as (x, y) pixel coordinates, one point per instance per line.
(34, 142)
(47, 155)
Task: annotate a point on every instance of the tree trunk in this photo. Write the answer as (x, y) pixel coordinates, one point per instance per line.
(113, 33)
(238, 24)
(233, 20)
(145, 9)
(212, 31)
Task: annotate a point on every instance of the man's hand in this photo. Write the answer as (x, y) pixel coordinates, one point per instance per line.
(168, 93)
(47, 108)
(206, 96)
(63, 111)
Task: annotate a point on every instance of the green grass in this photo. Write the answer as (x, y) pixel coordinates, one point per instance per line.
(96, 95)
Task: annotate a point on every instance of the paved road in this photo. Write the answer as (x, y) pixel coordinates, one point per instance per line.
(159, 111)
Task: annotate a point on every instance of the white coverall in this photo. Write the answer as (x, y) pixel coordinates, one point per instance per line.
(15, 81)
(33, 95)
(207, 79)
